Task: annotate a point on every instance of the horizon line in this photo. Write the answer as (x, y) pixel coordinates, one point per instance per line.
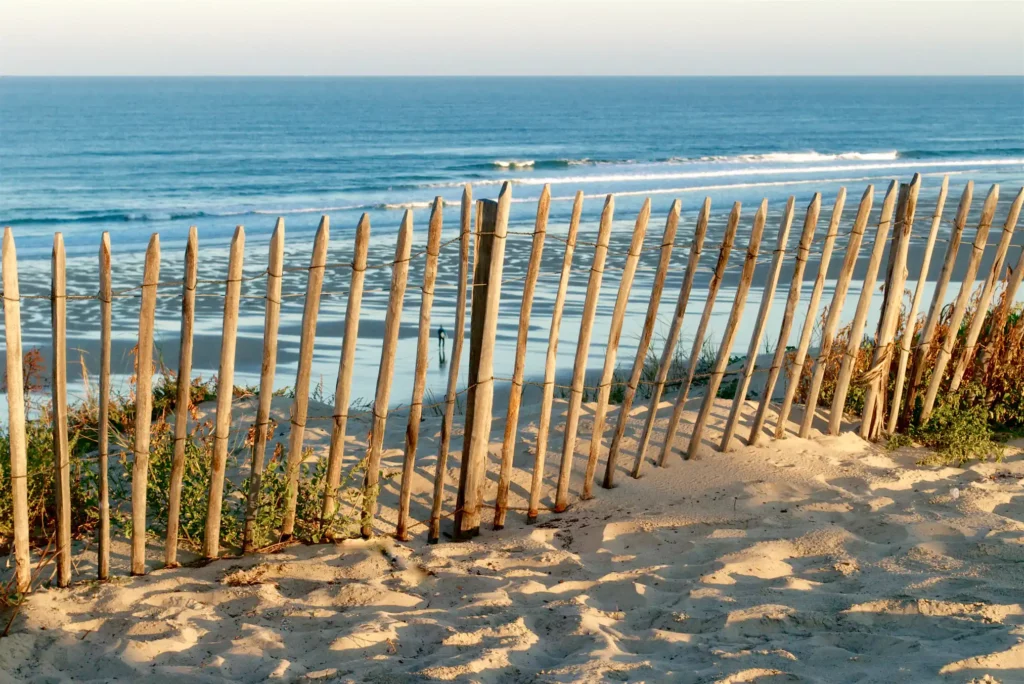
(567, 75)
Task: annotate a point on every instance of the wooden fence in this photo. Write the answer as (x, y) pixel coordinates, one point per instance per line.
(487, 221)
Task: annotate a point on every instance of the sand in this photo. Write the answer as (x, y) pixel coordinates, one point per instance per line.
(821, 560)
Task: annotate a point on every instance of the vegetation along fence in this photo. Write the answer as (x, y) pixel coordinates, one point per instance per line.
(896, 375)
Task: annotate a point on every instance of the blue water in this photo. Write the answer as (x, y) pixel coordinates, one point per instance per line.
(134, 156)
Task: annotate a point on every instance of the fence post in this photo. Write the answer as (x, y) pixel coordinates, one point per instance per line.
(441, 469)
(515, 395)
(225, 392)
(268, 367)
(874, 398)
(483, 327)
(300, 405)
(664, 261)
(579, 369)
(1009, 294)
(144, 404)
(938, 299)
(729, 336)
(548, 394)
(970, 344)
(698, 343)
(61, 464)
(343, 388)
(183, 395)
(962, 300)
(106, 300)
(792, 300)
(835, 310)
(911, 325)
(853, 344)
(767, 299)
(382, 398)
(611, 351)
(16, 415)
(412, 429)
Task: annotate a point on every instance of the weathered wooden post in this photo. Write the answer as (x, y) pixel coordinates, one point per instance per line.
(61, 462)
(667, 242)
(106, 301)
(183, 396)
(483, 327)
(440, 472)
(515, 396)
(16, 415)
(144, 404)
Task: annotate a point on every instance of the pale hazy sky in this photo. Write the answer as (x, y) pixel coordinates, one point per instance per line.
(446, 37)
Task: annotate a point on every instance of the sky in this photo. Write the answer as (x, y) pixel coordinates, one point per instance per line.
(511, 37)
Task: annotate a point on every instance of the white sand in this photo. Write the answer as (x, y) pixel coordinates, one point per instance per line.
(823, 560)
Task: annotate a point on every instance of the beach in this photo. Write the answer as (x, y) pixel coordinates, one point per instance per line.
(819, 560)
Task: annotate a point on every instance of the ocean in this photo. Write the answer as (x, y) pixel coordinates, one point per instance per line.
(134, 156)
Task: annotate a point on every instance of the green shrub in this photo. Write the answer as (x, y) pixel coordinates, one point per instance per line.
(958, 430)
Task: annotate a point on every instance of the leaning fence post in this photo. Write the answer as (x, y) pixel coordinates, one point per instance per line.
(853, 344)
(61, 462)
(874, 398)
(441, 469)
(925, 340)
(412, 428)
(962, 301)
(225, 392)
(106, 300)
(579, 370)
(515, 395)
(300, 405)
(698, 342)
(16, 415)
(970, 344)
(144, 404)
(792, 300)
(729, 336)
(767, 299)
(1013, 282)
(382, 398)
(611, 351)
(911, 325)
(835, 310)
(548, 392)
(484, 328)
(268, 367)
(667, 242)
(343, 388)
(183, 397)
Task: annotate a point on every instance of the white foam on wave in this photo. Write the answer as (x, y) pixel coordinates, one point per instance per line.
(732, 173)
(804, 157)
(514, 164)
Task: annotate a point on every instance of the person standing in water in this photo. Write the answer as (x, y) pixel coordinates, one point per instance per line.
(442, 340)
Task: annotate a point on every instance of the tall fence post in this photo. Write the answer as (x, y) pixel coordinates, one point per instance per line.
(144, 404)
(268, 367)
(698, 343)
(16, 415)
(792, 300)
(300, 405)
(441, 469)
(664, 261)
(611, 351)
(183, 394)
(579, 369)
(963, 299)
(767, 299)
(483, 327)
(106, 302)
(61, 462)
(970, 344)
(382, 397)
(343, 388)
(835, 310)
(729, 336)
(911, 325)
(412, 428)
(925, 340)
(225, 392)
(515, 396)
(550, 362)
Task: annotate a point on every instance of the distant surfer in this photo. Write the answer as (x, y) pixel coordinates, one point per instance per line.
(442, 341)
